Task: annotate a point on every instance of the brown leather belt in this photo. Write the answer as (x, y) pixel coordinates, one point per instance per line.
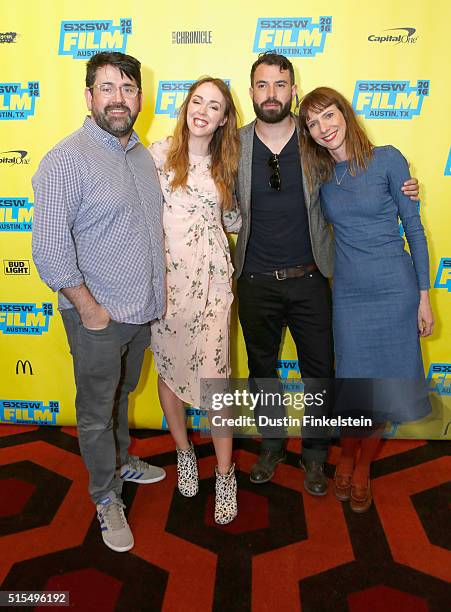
(296, 272)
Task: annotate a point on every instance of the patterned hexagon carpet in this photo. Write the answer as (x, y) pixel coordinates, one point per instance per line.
(286, 551)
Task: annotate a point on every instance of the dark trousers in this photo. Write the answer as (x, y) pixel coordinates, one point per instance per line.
(304, 304)
(107, 367)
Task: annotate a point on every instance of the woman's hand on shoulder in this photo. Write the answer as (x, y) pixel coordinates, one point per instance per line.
(411, 189)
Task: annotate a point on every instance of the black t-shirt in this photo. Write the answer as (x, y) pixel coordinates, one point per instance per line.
(279, 235)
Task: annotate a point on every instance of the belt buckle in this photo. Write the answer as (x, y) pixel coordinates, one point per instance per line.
(281, 275)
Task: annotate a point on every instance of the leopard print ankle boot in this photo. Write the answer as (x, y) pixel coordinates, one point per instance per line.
(187, 475)
(226, 507)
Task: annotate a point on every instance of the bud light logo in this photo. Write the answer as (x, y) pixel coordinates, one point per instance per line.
(389, 99)
(443, 278)
(448, 165)
(16, 215)
(82, 39)
(294, 36)
(439, 378)
(17, 102)
(171, 95)
(29, 412)
(25, 318)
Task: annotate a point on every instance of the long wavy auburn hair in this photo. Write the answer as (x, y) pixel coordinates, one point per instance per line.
(317, 161)
(224, 147)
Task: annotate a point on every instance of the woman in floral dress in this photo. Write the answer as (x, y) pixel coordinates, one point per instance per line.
(197, 169)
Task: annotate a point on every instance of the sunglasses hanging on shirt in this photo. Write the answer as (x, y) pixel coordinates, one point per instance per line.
(275, 180)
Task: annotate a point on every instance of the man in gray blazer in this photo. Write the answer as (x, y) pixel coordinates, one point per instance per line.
(283, 258)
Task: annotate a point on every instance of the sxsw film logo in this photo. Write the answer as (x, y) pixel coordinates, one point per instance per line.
(31, 412)
(14, 158)
(404, 36)
(439, 378)
(17, 102)
(171, 95)
(448, 165)
(25, 318)
(443, 278)
(296, 36)
(195, 419)
(389, 99)
(17, 267)
(289, 374)
(16, 215)
(82, 39)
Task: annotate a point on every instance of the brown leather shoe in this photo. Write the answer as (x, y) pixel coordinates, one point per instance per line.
(361, 498)
(342, 486)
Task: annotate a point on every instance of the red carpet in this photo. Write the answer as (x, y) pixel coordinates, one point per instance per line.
(287, 551)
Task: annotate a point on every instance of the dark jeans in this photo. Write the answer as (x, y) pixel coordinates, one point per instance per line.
(304, 303)
(107, 367)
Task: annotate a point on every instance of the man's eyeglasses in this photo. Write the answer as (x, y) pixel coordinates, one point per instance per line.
(108, 90)
(275, 180)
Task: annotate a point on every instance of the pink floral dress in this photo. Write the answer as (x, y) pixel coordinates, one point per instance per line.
(191, 341)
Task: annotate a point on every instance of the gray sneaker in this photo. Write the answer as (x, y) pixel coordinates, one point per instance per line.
(114, 527)
(136, 470)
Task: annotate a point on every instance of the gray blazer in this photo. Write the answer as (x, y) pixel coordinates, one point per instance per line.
(320, 234)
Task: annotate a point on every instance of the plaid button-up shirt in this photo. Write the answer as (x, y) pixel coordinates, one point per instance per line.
(98, 220)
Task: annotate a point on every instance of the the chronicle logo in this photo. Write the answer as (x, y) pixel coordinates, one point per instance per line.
(294, 36)
(16, 215)
(389, 99)
(29, 412)
(17, 102)
(82, 39)
(439, 378)
(25, 318)
(448, 165)
(24, 366)
(443, 278)
(16, 267)
(399, 36)
(171, 95)
(6, 38)
(14, 158)
(192, 37)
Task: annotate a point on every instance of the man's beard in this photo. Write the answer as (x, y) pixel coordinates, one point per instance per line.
(117, 126)
(272, 115)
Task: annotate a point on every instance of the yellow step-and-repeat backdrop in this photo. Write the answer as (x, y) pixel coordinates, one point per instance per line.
(390, 59)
